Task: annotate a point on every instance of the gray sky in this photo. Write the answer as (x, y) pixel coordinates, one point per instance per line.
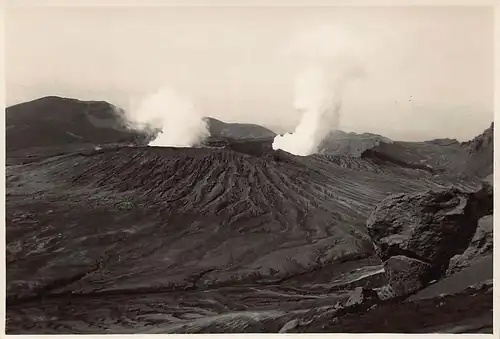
(429, 70)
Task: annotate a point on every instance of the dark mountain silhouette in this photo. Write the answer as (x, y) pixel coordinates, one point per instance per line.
(227, 237)
(55, 121)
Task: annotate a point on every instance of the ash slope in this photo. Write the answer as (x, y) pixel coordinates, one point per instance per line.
(146, 218)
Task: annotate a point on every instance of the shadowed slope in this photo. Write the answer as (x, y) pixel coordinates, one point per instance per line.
(54, 121)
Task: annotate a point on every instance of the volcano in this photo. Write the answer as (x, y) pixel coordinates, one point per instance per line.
(108, 235)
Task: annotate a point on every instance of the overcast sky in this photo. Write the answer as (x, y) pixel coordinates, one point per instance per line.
(428, 70)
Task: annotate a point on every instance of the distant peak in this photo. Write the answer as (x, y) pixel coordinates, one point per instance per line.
(56, 99)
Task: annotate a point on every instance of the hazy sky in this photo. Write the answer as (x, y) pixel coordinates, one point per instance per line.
(428, 70)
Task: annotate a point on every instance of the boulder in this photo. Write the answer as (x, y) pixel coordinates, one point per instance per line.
(363, 296)
(406, 275)
(430, 227)
(385, 292)
(480, 246)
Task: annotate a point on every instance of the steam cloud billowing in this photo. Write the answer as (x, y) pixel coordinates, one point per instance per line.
(328, 62)
(175, 118)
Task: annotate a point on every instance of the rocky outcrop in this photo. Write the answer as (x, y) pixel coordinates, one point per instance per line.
(477, 274)
(363, 296)
(482, 141)
(480, 247)
(405, 274)
(480, 151)
(417, 234)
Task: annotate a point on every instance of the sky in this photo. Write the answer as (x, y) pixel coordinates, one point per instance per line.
(428, 71)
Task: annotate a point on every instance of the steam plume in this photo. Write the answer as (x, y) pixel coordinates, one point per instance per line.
(175, 117)
(329, 64)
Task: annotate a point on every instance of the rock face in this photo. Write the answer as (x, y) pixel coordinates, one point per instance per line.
(480, 246)
(480, 150)
(363, 296)
(427, 228)
(477, 274)
(405, 274)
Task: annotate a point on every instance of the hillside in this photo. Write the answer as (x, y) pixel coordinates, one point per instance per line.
(54, 121)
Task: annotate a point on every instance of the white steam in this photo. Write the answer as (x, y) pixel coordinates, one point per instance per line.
(328, 61)
(175, 117)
